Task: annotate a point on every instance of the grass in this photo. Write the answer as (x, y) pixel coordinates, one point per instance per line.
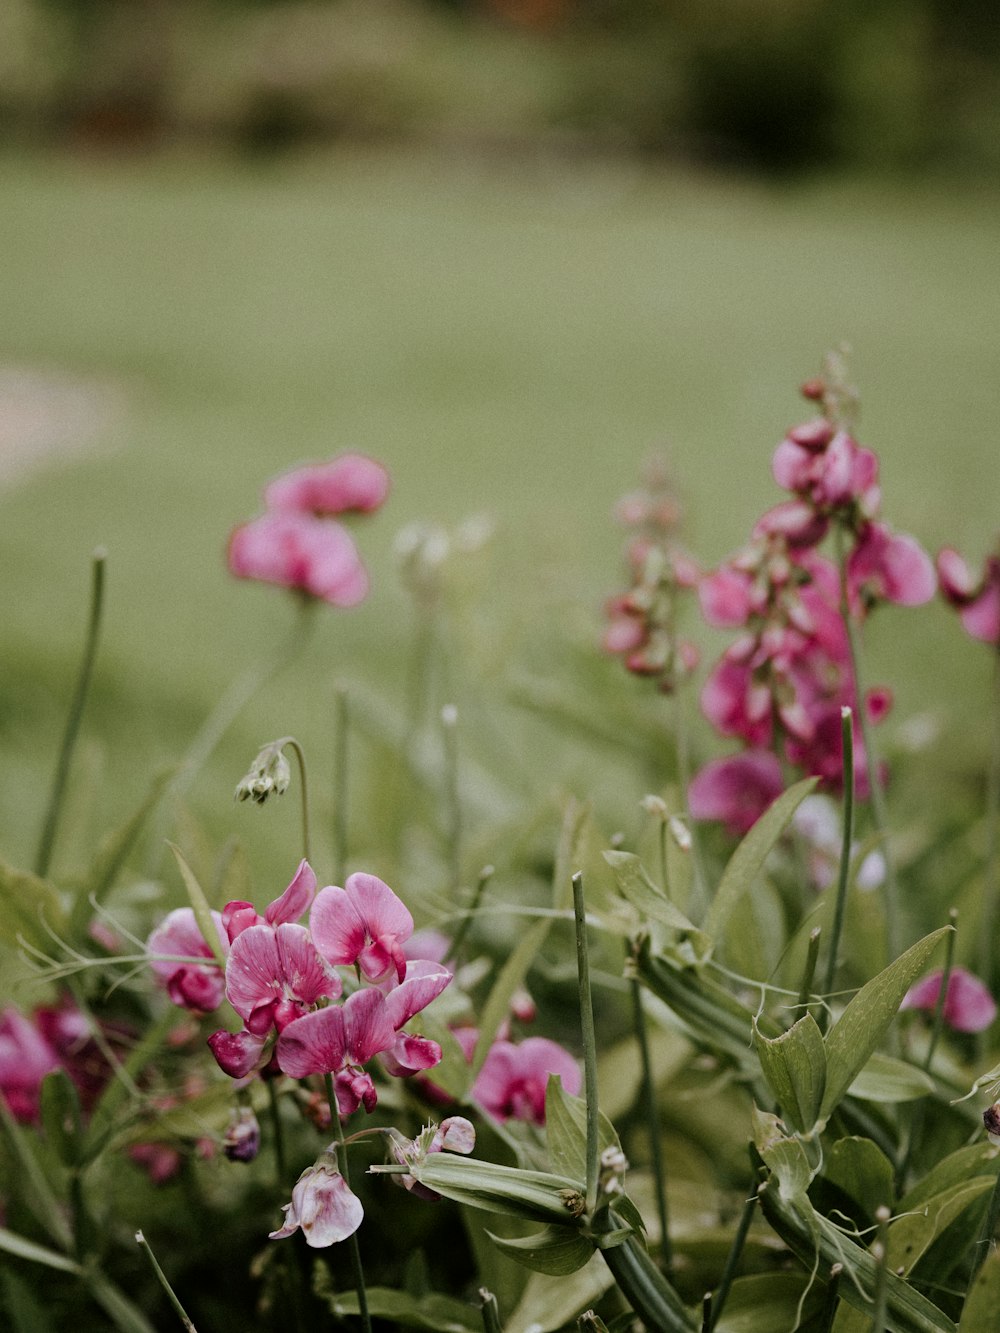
(511, 336)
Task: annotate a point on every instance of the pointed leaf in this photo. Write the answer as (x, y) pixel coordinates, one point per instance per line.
(862, 1025)
(12, 1243)
(493, 1188)
(557, 1251)
(635, 885)
(983, 1301)
(912, 1235)
(746, 862)
(566, 1131)
(548, 1302)
(200, 907)
(862, 1170)
(27, 905)
(978, 1159)
(886, 1079)
(794, 1065)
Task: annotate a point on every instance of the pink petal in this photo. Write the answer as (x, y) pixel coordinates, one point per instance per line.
(313, 1044)
(423, 983)
(968, 1007)
(306, 976)
(408, 1055)
(513, 1079)
(352, 482)
(296, 898)
(368, 1027)
(299, 551)
(725, 597)
(955, 578)
(323, 1207)
(237, 1053)
(736, 790)
(981, 618)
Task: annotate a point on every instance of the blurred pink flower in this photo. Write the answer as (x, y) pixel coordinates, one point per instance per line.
(737, 789)
(512, 1081)
(352, 482)
(968, 1005)
(191, 985)
(299, 551)
(322, 1206)
(889, 566)
(978, 603)
(25, 1058)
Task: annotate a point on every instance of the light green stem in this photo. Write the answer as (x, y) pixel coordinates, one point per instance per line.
(162, 1279)
(340, 788)
(46, 842)
(293, 744)
(847, 841)
(353, 1247)
(489, 1311)
(455, 948)
(991, 886)
(732, 1261)
(879, 1252)
(589, 1039)
(942, 998)
(453, 812)
(652, 1126)
(809, 973)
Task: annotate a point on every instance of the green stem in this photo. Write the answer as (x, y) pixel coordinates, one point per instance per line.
(340, 788)
(354, 1249)
(589, 1039)
(809, 973)
(489, 1311)
(832, 1299)
(982, 1248)
(683, 749)
(652, 1125)
(991, 888)
(645, 1288)
(46, 842)
(280, 1163)
(162, 1279)
(878, 809)
(879, 1253)
(449, 728)
(293, 744)
(455, 948)
(847, 841)
(732, 1261)
(942, 998)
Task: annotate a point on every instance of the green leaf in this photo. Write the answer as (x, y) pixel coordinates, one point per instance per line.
(493, 1188)
(912, 1235)
(200, 907)
(27, 905)
(438, 1314)
(983, 1301)
(566, 1131)
(113, 852)
(766, 1302)
(794, 1065)
(557, 1251)
(886, 1079)
(635, 885)
(978, 1159)
(862, 1170)
(746, 862)
(125, 1316)
(548, 1302)
(60, 1111)
(35, 1190)
(862, 1025)
(12, 1243)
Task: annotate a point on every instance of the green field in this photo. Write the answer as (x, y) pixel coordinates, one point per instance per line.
(510, 337)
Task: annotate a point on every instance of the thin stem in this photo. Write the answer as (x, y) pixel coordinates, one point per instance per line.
(354, 1248)
(942, 998)
(449, 728)
(489, 1311)
(161, 1277)
(468, 916)
(879, 1254)
(589, 1039)
(832, 1299)
(732, 1260)
(652, 1126)
(293, 744)
(809, 973)
(683, 750)
(46, 841)
(879, 816)
(280, 1162)
(991, 887)
(340, 788)
(847, 841)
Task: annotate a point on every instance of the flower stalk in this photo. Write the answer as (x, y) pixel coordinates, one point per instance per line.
(840, 903)
(589, 1040)
(161, 1277)
(652, 1125)
(353, 1248)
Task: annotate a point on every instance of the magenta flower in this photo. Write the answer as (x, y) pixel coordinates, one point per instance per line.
(978, 604)
(322, 1206)
(25, 1058)
(339, 1040)
(310, 555)
(352, 482)
(238, 915)
(274, 975)
(512, 1081)
(736, 790)
(423, 983)
(968, 1005)
(888, 566)
(192, 985)
(363, 923)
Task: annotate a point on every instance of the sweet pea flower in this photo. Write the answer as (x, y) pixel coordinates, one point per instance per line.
(190, 984)
(455, 1134)
(889, 566)
(512, 1081)
(968, 1005)
(238, 915)
(978, 603)
(322, 1207)
(352, 482)
(737, 789)
(25, 1058)
(274, 975)
(363, 923)
(294, 550)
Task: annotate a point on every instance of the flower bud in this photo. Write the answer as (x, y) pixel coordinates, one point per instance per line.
(241, 1141)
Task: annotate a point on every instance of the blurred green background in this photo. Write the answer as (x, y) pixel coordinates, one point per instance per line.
(508, 249)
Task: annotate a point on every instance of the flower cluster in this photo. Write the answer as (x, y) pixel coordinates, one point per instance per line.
(782, 685)
(298, 543)
(641, 621)
(977, 603)
(54, 1037)
(282, 979)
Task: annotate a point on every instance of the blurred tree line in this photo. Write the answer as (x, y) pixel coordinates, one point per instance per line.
(778, 85)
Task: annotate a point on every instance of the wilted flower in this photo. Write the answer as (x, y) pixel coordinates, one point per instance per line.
(322, 1206)
(269, 773)
(455, 1134)
(968, 1005)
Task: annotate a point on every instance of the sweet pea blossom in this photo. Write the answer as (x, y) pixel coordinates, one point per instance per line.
(512, 1081)
(736, 790)
(322, 1207)
(25, 1058)
(455, 1134)
(352, 482)
(299, 551)
(968, 1005)
(977, 603)
(363, 923)
(173, 946)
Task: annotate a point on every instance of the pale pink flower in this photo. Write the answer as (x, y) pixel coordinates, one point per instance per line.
(968, 1005)
(512, 1081)
(363, 923)
(889, 566)
(173, 946)
(352, 482)
(25, 1058)
(299, 551)
(978, 603)
(455, 1134)
(322, 1207)
(736, 790)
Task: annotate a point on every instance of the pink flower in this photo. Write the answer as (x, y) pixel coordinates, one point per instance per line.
(456, 1134)
(737, 789)
(363, 923)
(238, 916)
(274, 975)
(25, 1058)
(978, 603)
(294, 550)
(322, 1206)
(890, 566)
(725, 597)
(352, 482)
(191, 985)
(338, 1040)
(968, 1005)
(512, 1081)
